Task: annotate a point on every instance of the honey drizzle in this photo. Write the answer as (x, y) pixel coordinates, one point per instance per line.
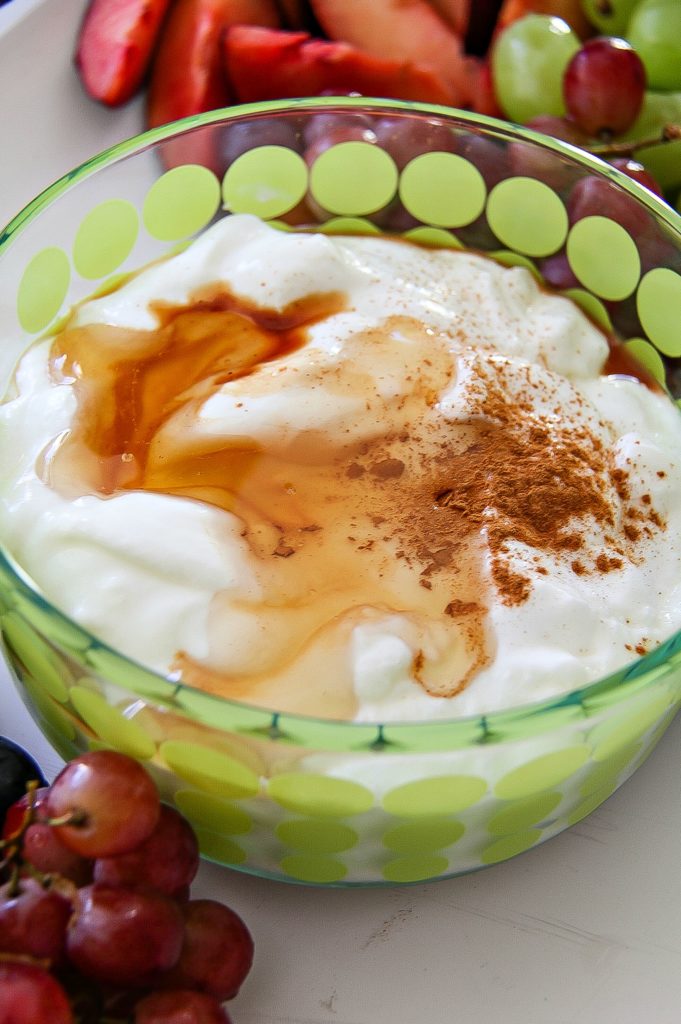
(368, 526)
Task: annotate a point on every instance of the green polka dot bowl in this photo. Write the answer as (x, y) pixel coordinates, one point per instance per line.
(286, 796)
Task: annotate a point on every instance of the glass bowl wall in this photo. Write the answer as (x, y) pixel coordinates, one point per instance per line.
(282, 795)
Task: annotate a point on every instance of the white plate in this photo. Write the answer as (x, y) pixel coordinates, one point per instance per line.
(582, 930)
(48, 124)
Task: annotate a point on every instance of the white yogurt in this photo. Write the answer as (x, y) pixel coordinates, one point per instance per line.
(428, 335)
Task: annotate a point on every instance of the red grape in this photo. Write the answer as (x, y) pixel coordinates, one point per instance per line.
(319, 125)
(17, 768)
(604, 85)
(29, 995)
(405, 139)
(217, 952)
(490, 157)
(114, 804)
(167, 860)
(239, 137)
(33, 920)
(16, 814)
(557, 272)
(560, 128)
(43, 849)
(532, 161)
(637, 172)
(596, 197)
(124, 936)
(180, 1006)
(336, 133)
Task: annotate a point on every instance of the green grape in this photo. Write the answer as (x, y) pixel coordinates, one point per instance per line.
(655, 33)
(528, 62)
(609, 16)
(657, 110)
(663, 161)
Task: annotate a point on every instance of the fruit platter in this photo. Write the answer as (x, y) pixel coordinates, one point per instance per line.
(107, 913)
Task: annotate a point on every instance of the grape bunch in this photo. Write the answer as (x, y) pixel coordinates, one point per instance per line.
(96, 920)
(612, 94)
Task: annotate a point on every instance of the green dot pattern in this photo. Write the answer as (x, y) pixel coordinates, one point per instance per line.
(527, 216)
(593, 801)
(592, 306)
(320, 795)
(209, 769)
(433, 236)
(441, 795)
(205, 810)
(267, 181)
(314, 836)
(349, 226)
(54, 720)
(181, 202)
(319, 870)
(423, 836)
(619, 731)
(658, 301)
(110, 725)
(510, 846)
(105, 238)
(541, 773)
(418, 868)
(521, 814)
(39, 660)
(442, 189)
(606, 772)
(604, 257)
(649, 358)
(353, 179)
(514, 259)
(42, 289)
(219, 848)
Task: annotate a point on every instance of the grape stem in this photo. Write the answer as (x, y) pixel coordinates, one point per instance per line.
(70, 818)
(670, 133)
(11, 849)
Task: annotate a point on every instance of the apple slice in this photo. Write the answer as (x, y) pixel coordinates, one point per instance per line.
(569, 10)
(484, 98)
(408, 30)
(114, 47)
(188, 74)
(264, 64)
(456, 13)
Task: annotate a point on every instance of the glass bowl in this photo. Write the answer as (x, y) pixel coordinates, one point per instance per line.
(286, 796)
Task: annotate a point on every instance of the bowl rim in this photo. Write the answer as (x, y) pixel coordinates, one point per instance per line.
(637, 671)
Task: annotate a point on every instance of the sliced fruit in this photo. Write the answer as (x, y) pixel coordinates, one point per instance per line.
(528, 62)
(484, 98)
(456, 13)
(569, 10)
(264, 64)
(408, 30)
(115, 44)
(188, 75)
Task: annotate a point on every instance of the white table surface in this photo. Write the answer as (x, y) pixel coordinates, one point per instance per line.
(585, 929)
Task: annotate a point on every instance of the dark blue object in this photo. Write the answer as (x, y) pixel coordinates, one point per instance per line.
(16, 769)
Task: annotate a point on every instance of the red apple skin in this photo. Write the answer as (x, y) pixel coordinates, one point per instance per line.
(409, 31)
(188, 74)
(115, 46)
(456, 13)
(264, 64)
